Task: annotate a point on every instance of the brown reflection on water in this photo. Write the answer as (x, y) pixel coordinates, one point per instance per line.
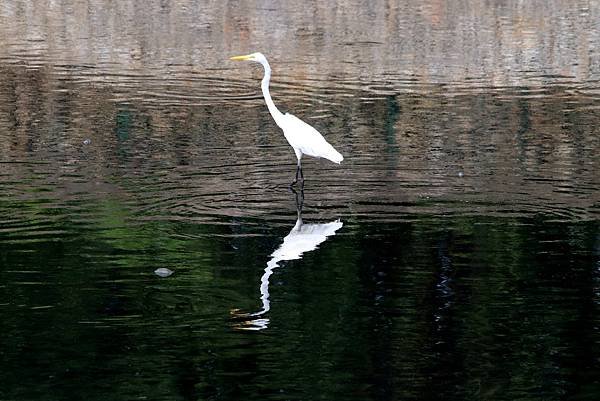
(475, 42)
(513, 151)
(484, 107)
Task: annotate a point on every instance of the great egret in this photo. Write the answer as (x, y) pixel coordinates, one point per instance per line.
(302, 137)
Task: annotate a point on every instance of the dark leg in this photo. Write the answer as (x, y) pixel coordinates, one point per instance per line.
(299, 197)
(298, 172)
(299, 201)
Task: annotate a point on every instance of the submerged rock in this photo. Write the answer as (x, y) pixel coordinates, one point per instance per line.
(163, 272)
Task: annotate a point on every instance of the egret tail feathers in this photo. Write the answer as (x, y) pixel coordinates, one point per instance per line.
(326, 151)
(335, 156)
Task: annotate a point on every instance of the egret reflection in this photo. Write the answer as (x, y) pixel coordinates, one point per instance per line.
(302, 238)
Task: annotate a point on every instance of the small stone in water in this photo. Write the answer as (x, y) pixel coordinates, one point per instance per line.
(87, 141)
(163, 272)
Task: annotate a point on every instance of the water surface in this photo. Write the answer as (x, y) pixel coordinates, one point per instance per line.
(454, 254)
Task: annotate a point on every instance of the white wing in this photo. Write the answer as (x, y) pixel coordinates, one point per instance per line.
(307, 139)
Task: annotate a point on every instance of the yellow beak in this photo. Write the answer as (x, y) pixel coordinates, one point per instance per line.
(239, 58)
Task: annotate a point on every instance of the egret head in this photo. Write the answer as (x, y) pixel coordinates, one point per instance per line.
(258, 57)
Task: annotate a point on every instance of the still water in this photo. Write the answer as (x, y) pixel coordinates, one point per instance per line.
(150, 247)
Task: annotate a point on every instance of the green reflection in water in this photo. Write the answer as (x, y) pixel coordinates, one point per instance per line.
(460, 308)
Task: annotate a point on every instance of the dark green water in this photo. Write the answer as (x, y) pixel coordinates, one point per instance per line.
(433, 308)
(453, 255)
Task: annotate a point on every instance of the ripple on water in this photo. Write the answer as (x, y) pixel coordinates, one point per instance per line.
(186, 142)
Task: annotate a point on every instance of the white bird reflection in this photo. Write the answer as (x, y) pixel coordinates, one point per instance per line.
(301, 238)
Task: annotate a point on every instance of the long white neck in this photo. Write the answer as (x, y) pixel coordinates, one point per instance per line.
(277, 115)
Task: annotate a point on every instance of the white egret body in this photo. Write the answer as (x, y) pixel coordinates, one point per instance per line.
(302, 137)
